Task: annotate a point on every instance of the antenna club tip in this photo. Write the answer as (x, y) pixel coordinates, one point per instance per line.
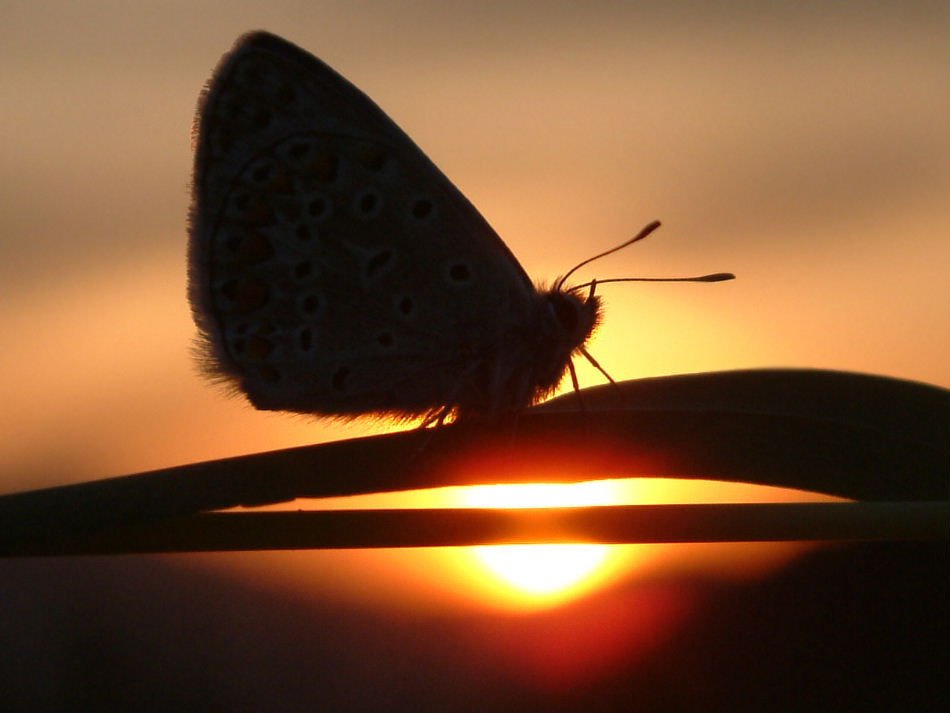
(719, 277)
(644, 231)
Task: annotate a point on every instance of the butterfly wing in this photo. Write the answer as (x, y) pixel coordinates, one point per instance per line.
(333, 268)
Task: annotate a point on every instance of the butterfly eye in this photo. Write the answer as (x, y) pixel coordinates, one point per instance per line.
(565, 311)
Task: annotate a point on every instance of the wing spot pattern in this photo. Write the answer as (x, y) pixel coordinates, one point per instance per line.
(406, 306)
(258, 347)
(368, 203)
(246, 294)
(319, 207)
(376, 264)
(311, 304)
(421, 209)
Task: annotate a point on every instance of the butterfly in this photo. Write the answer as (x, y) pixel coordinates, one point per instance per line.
(335, 271)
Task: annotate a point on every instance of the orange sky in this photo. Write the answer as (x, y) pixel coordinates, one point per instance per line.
(803, 149)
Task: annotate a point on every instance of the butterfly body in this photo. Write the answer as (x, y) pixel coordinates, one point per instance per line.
(335, 271)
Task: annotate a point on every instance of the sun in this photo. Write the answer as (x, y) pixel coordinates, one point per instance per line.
(543, 571)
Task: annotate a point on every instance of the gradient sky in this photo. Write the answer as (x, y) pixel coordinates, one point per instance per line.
(801, 146)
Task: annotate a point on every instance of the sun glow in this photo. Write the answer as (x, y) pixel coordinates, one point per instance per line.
(544, 571)
(542, 495)
(528, 576)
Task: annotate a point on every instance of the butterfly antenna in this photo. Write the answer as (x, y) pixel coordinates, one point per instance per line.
(639, 236)
(715, 277)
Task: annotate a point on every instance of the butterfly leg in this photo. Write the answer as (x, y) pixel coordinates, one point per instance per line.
(450, 403)
(616, 387)
(596, 364)
(577, 386)
(436, 416)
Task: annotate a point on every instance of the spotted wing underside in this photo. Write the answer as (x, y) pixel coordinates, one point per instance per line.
(333, 268)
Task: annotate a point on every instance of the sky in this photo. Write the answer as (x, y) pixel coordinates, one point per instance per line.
(802, 146)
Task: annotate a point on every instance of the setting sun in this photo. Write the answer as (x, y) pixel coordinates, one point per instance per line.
(542, 570)
(521, 575)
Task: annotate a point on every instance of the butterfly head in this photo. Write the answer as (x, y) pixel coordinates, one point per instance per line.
(574, 317)
(567, 322)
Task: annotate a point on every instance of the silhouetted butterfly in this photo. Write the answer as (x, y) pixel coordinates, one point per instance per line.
(335, 271)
